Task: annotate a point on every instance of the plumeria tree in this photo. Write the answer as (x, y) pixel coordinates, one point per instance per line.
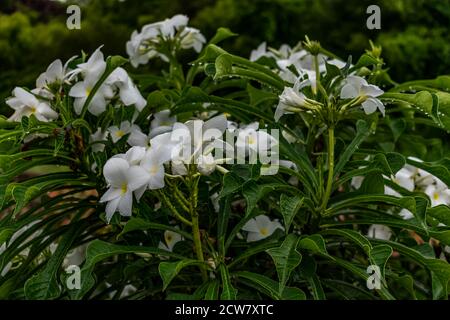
(294, 174)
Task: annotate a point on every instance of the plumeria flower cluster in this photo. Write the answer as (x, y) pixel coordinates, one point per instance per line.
(415, 179)
(117, 88)
(354, 92)
(118, 84)
(297, 58)
(298, 66)
(148, 43)
(173, 148)
(38, 101)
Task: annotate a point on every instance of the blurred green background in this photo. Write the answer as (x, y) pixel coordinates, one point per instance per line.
(414, 33)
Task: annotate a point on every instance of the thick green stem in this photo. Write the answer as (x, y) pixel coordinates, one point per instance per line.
(328, 189)
(174, 210)
(316, 65)
(196, 228)
(198, 245)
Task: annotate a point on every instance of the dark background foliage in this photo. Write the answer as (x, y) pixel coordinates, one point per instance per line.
(414, 33)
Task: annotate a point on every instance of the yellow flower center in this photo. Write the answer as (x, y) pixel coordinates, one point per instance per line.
(153, 169)
(251, 139)
(124, 188)
(264, 231)
(88, 91)
(436, 196)
(33, 109)
(120, 133)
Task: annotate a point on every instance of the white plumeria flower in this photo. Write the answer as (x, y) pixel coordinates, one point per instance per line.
(378, 231)
(137, 137)
(288, 136)
(55, 74)
(260, 52)
(98, 135)
(83, 89)
(272, 168)
(122, 179)
(118, 132)
(232, 126)
(75, 256)
(260, 228)
(143, 45)
(250, 139)
(26, 104)
(192, 38)
(215, 201)
(406, 214)
(133, 156)
(178, 167)
(162, 122)
(159, 153)
(288, 57)
(170, 240)
(169, 26)
(292, 100)
(92, 68)
(195, 135)
(153, 163)
(127, 291)
(206, 164)
(139, 54)
(128, 92)
(357, 87)
(438, 193)
(404, 178)
(357, 182)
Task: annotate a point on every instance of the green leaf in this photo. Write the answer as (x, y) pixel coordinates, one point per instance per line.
(44, 285)
(258, 96)
(169, 270)
(440, 213)
(269, 287)
(434, 105)
(99, 250)
(440, 269)
(362, 132)
(6, 233)
(231, 183)
(212, 292)
(353, 198)
(372, 183)
(289, 207)
(286, 259)
(308, 268)
(441, 83)
(314, 243)
(379, 255)
(222, 34)
(140, 224)
(351, 235)
(253, 192)
(228, 291)
(222, 222)
(364, 61)
(228, 65)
